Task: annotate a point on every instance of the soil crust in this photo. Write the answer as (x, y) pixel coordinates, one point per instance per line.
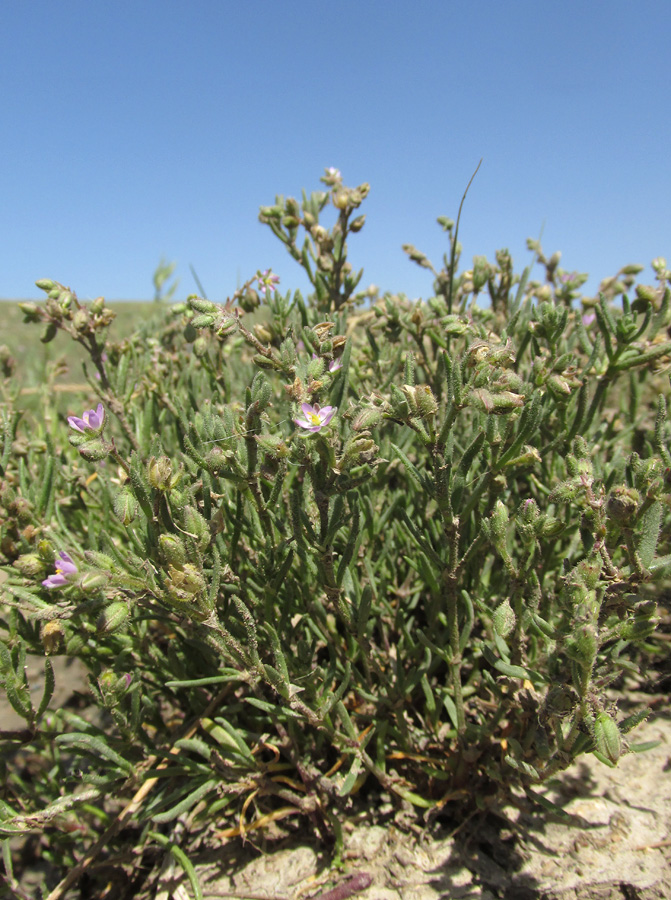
(617, 845)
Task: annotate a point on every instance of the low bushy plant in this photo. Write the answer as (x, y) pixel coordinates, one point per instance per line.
(316, 550)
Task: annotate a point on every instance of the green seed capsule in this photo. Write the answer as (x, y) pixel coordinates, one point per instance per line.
(607, 737)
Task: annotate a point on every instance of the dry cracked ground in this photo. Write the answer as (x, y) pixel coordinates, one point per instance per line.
(618, 846)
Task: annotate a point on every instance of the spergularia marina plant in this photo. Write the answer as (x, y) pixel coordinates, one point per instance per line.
(430, 609)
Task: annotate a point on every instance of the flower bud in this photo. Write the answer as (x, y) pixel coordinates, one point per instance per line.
(426, 402)
(480, 272)
(204, 321)
(559, 386)
(95, 450)
(320, 234)
(159, 473)
(200, 347)
(504, 619)
(201, 305)
(400, 402)
(291, 207)
(250, 300)
(225, 327)
(581, 646)
(97, 306)
(184, 584)
(499, 521)
(409, 393)
(316, 368)
(21, 508)
(172, 548)
(216, 459)
(646, 293)
(340, 199)
(80, 320)
(46, 284)
(529, 512)
(126, 506)
(554, 261)
(416, 256)
(92, 581)
(196, 527)
(367, 418)
(30, 310)
(112, 617)
(357, 224)
(30, 565)
(552, 527)
(263, 362)
(273, 445)
(74, 644)
(263, 333)
(49, 332)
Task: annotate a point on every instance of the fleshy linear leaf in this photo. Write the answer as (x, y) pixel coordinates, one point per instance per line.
(350, 779)
(512, 671)
(49, 685)
(186, 803)
(96, 747)
(181, 857)
(649, 524)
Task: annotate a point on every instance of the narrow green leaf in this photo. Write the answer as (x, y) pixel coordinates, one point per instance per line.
(510, 670)
(186, 803)
(413, 471)
(647, 538)
(521, 766)
(49, 684)
(344, 717)
(96, 747)
(178, 854)
(643, 746)
(549, 806)
(350, 779)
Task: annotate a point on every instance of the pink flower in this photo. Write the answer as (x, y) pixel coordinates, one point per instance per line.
(587, 319)
(91, 422)
(267, 281)
(65, 572)
(315, 418)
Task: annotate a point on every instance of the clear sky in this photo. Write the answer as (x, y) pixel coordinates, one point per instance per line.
(137, 129)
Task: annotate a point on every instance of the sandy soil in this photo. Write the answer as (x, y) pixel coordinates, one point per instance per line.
(617, 847)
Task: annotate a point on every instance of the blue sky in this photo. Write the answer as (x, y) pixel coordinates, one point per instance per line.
(136, 130)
